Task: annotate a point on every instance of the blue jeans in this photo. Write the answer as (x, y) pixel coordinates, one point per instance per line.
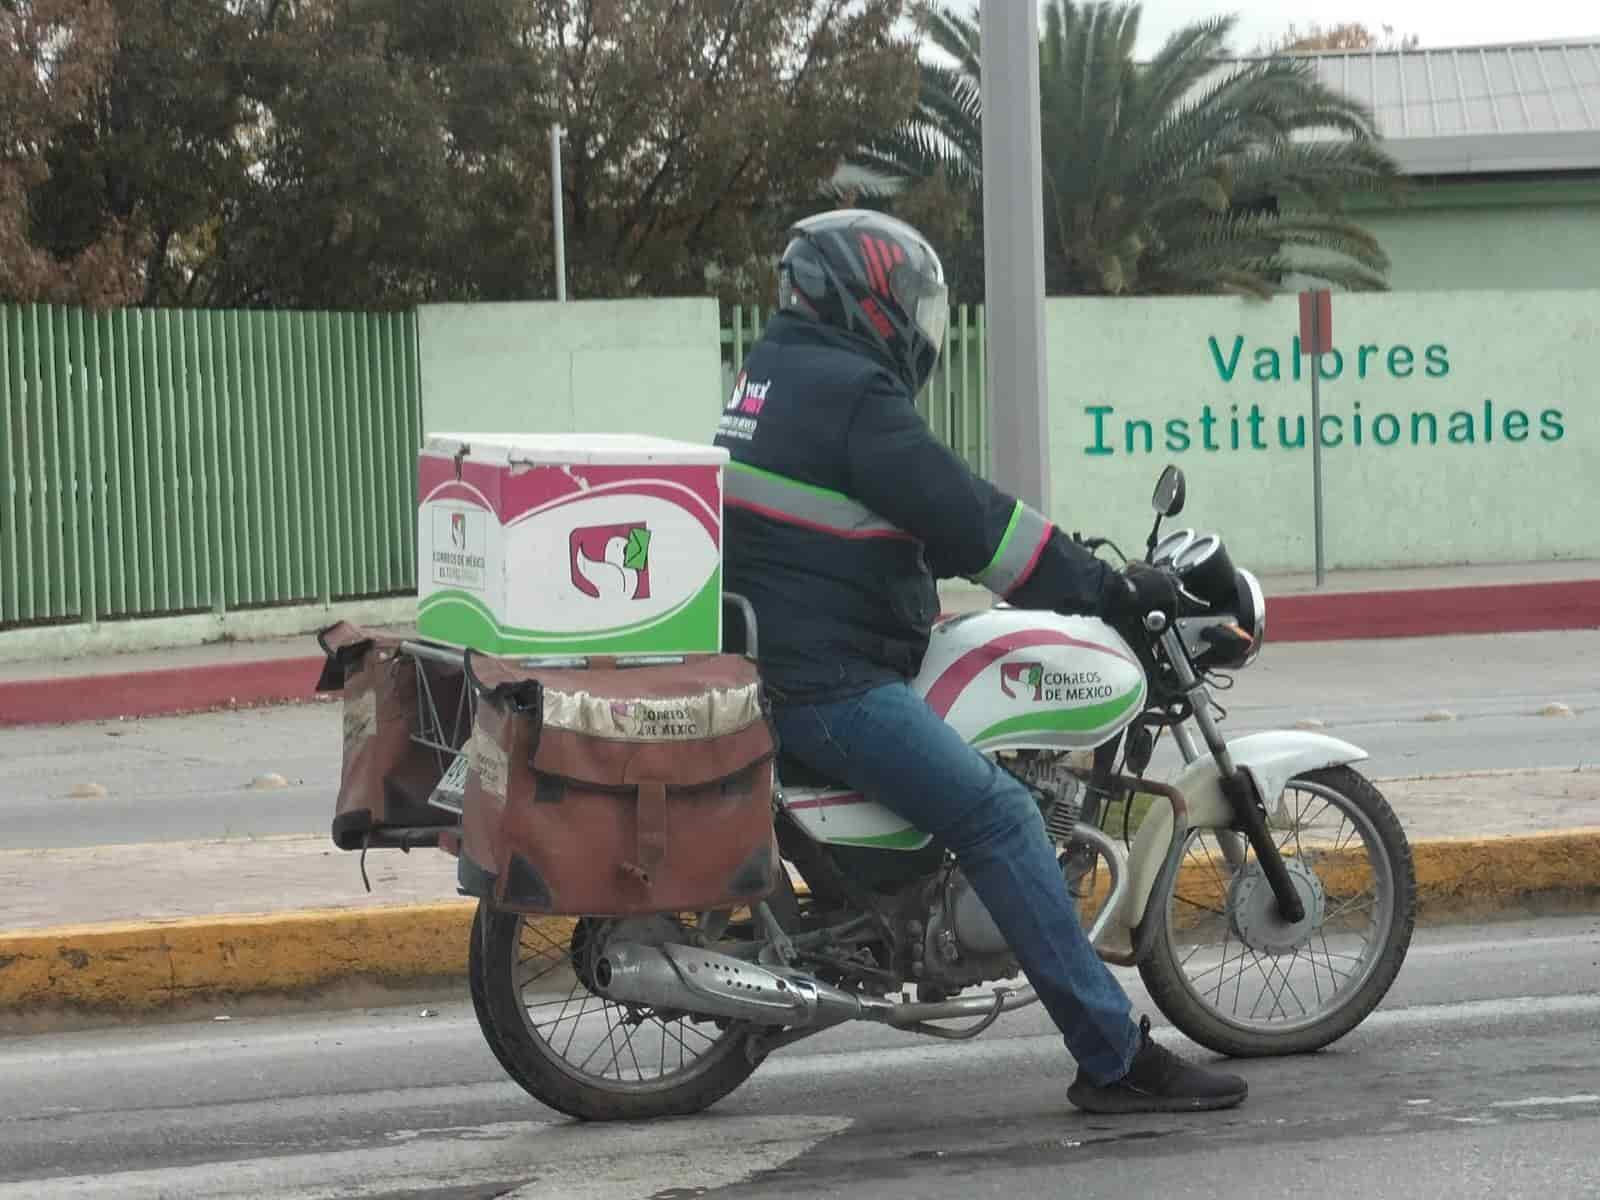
(889, 745)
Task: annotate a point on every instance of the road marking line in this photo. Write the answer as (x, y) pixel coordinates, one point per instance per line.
(541, 1160)
(1547, 1101)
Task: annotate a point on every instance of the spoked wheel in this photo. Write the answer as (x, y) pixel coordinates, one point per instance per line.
(1227, 970)
(578, 1052)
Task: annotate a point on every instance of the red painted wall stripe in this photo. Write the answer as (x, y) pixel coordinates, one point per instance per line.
(1434, 612)
(1334, 616)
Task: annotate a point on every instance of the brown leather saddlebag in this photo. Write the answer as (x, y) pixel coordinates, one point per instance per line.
(388, 773)
(612, 790)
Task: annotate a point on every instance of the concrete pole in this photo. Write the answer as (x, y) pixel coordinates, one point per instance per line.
(1013, 251)
(556, 212)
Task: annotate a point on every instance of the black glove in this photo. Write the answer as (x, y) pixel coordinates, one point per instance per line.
(1132, 593)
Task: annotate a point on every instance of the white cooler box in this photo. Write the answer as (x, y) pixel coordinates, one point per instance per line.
(570, 544)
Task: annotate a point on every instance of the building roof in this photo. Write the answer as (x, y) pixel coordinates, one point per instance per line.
(1531, 106)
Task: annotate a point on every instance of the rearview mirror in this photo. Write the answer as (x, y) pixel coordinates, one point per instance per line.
(1168, 500)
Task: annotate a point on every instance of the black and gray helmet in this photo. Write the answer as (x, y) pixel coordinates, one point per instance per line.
(872, 275)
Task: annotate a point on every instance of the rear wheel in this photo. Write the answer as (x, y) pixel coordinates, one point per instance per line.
(1231, 975)
(575, 1050)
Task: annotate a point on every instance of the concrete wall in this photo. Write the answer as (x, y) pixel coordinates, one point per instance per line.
(1478, 427)
(602, 366)
(1473, 248)
(1460, 427)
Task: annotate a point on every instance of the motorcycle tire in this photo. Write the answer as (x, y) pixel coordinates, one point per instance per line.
(1164, 969)
(493, 965)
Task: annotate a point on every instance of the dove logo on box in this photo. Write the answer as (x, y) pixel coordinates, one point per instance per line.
(633, 552)
(611, 560)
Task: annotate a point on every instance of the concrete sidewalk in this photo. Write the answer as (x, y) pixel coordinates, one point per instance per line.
(131, 930)
(1352, 604)
(158, 927)
(166, 881)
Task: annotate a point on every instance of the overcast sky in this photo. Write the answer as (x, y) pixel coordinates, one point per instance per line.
(1437, 22)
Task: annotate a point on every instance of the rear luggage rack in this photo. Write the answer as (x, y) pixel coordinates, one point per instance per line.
(445, 734)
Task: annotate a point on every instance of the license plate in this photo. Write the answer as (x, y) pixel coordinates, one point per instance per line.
(452, 790)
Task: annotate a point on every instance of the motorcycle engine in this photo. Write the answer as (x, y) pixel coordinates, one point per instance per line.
(1059, 793)
(961, 945)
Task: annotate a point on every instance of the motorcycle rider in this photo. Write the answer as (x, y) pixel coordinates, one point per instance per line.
(842, 510)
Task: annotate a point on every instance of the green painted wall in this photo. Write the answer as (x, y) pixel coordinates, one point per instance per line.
(1424, 372)
(599, 366)
(1471, 248)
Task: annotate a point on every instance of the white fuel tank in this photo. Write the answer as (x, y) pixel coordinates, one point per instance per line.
(1007, 679)
(1013, 679)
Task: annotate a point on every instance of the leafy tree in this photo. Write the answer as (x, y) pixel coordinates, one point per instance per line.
(52, 53)
(337, 153)
(389, 160)
(944, 131)
(930, 166)
(696, 128)
(155, 150)
(1189, 173)
(1348, 35)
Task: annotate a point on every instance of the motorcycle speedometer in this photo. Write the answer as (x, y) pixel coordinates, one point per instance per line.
(1206, 571)
(1169, 547)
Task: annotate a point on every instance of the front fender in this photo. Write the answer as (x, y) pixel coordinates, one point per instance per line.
(1271, 758)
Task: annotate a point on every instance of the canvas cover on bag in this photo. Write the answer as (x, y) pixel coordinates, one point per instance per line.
(613, 789)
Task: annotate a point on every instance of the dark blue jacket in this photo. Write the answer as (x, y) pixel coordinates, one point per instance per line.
(842, 508)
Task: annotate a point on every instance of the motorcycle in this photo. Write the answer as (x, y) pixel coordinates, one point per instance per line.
(1266, 894)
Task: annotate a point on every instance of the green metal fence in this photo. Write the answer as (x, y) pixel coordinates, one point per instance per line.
(952, 401)
(170, 461)
(158, 462)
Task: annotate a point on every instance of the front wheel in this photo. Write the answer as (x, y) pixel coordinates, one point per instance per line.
(578, 1052)
(1229, 973)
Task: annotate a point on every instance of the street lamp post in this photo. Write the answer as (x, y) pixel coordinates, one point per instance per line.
(556, 214)
(1013, 251)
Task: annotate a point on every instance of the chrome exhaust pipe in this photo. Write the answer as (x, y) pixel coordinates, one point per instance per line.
(991, 1004)
(718, 985)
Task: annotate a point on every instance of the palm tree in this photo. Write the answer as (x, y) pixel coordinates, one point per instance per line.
(945, 130)
(1193, 172)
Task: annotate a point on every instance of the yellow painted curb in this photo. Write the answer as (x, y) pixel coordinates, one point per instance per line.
(1459, 877)
(144, 967)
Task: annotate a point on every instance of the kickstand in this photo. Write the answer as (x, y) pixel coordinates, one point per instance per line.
(367, 883)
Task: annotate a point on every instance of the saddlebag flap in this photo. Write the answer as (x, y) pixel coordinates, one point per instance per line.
(610, 789)
(388, 774)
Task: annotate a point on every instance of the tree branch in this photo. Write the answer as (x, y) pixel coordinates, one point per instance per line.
(684, 134)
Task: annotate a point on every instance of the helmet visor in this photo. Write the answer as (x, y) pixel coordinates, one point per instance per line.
(921, 293)
(933, 317)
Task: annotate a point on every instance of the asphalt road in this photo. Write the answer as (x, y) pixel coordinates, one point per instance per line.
(1478, 1077)
(190, 778)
